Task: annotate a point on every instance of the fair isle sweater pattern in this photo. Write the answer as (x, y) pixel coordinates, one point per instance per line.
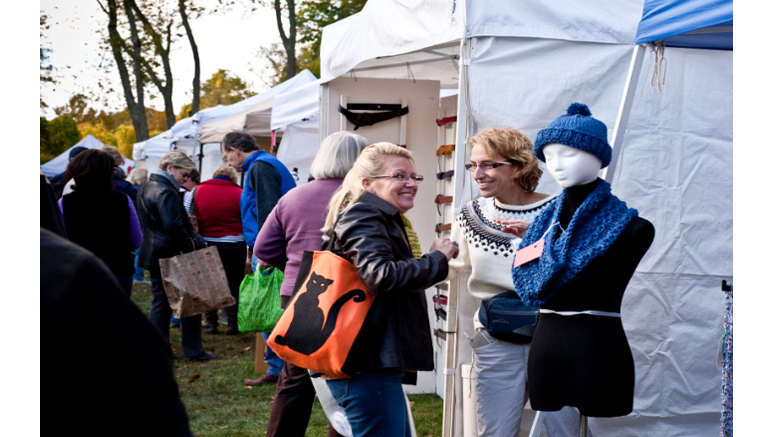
(482, 233)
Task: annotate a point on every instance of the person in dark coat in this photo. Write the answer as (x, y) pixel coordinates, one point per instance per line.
(100, 219)
(58, 182)
(109, 372)
(167, 232)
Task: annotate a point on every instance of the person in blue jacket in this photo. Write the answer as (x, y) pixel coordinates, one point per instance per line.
(266, 180)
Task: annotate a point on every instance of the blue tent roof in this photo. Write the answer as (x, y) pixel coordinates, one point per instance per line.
(680, 23)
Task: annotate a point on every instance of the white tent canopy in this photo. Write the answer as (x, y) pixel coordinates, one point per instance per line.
(522, 64)
(190, 127)
(59, 164)
(214, 132)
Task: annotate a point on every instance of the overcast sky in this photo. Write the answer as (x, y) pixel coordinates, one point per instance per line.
(227, 40)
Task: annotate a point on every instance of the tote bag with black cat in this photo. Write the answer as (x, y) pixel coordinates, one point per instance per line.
(320, 324)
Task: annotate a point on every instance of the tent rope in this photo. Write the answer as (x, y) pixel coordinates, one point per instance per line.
(658, 49)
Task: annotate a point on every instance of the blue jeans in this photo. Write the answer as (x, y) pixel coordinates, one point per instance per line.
(374, 403)
(159, 316)
(138, 276)
(274, 361)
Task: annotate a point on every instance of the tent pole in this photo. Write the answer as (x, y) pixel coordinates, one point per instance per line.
(450, 375)
(622, 122)
(201, 155)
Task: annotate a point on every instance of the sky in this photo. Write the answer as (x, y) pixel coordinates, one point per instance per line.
(225, 39)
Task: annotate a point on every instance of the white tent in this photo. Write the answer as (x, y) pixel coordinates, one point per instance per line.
(520, 65)
(59, 164)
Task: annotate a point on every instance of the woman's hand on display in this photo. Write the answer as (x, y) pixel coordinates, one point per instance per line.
(513, 226)
(448, 248)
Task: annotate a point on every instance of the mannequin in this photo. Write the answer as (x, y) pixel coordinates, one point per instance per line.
(581, 359)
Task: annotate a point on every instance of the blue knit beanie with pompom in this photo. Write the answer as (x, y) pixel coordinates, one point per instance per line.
(578, 129)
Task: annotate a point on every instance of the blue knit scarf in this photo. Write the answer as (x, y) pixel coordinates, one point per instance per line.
(593, 228)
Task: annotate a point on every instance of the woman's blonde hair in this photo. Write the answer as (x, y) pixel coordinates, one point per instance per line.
(225, 170)
(118, 158)
(178, 159)
(513, 145)
(368, 165)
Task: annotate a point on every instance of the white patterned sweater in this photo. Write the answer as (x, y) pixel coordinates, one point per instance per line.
(484, 248)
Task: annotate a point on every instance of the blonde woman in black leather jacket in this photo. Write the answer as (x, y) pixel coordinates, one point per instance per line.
(364, 219)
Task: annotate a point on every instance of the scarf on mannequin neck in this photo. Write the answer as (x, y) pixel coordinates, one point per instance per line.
(594, 227)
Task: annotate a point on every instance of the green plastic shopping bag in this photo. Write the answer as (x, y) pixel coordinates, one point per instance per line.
(259, 305)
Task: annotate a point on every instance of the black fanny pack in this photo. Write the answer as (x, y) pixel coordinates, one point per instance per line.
(507, 318)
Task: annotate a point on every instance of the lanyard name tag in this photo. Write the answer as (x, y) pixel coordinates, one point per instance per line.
(529, 253)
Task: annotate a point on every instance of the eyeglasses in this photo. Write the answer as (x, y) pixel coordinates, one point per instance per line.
(487, 165)
(186, 175)
(399, 177)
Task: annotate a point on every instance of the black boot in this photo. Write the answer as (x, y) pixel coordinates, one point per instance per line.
(232, 320)
(212, 322)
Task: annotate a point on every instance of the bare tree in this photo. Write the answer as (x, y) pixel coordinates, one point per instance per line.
(118, 47)
(290, 40)
(195, 54)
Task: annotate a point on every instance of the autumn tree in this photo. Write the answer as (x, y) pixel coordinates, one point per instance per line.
(223, 88)
(309, 20)
(60, 134)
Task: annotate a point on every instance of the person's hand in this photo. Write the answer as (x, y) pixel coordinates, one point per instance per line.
(448, 248)
(513, 226)
(263, 265)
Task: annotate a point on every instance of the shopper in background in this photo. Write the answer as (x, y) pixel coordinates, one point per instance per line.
(167, 233)
(216, 206)
(98, 218)
(138, 177)
(294, 226)
(266, 180)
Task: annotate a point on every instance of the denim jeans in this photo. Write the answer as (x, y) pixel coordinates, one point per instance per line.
(374, 403)
(274, 361)
(191, 327)
(138, 276)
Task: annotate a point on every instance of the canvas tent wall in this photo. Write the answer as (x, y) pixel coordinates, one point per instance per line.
(521, 65)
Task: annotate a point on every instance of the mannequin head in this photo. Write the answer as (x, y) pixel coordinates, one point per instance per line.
(570, 166)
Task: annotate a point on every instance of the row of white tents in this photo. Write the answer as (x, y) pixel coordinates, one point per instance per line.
(520, 64)
(59, 164)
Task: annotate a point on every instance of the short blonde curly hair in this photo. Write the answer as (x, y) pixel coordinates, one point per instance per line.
(512, 145)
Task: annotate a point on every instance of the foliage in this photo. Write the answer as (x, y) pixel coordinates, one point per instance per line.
(223, 88)
(312, 17)
(62, 133)
(46, 69)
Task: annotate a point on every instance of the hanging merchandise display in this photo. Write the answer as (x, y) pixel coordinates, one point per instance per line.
(359, 119)
(443, 121)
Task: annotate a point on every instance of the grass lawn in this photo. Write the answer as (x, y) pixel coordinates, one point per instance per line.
(219, 405)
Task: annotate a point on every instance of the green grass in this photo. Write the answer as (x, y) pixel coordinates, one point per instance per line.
(219, 405)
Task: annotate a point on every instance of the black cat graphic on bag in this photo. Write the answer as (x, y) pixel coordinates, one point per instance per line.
(300, 337)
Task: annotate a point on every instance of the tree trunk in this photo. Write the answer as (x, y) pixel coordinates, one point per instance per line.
(137, 114)
(196, 54)
(290, 41)
(165, 89)
(142, 133)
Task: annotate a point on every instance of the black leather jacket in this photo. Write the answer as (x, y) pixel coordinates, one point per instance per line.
(167, 231)
(370, 234)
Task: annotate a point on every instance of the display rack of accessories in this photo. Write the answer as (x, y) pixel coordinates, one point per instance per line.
(444, 205)
(726, 352)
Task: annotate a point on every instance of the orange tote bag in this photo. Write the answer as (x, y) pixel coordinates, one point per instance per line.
(320, 324)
